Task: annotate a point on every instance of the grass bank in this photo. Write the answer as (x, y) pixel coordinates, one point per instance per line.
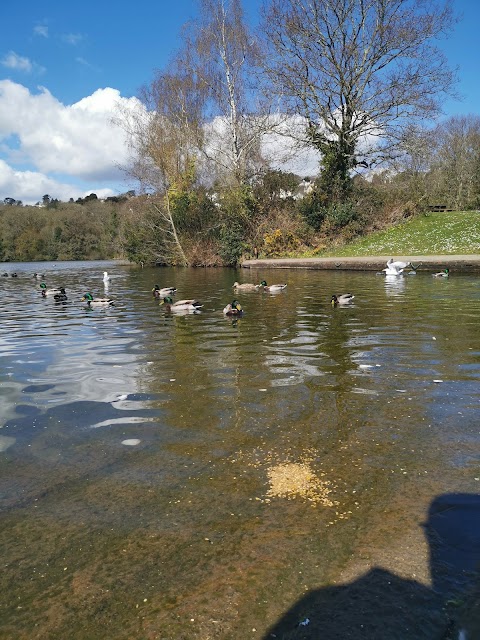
(446, 233)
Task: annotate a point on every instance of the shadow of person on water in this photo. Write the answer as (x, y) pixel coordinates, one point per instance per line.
(382, 606)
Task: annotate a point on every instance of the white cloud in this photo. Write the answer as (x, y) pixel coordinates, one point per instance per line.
(72, 38)
(285, 149)
(77, 139)
(59, 142)
(12, 60)
(87, 64)
(73, 150)
(29, 186)
(41, 30)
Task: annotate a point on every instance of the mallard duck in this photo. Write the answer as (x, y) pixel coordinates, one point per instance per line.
(96, 302)
(233, 309)
(272, 287)
(344, 298)
(181, 305)
(442, 274)
(157, 292)
(13, 275)
(38, 276)
(246, 286)
(60, 297)
(49, 292)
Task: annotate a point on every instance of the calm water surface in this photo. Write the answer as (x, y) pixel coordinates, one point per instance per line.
(190, 476)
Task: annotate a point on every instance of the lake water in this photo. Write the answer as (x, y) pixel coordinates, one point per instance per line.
(300, 472)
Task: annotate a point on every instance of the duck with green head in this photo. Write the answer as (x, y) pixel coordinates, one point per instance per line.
(442, 274)
(272, 288)
(181, 305)
(233, 308)
(162, 292)
(96, 302)
(48, 292)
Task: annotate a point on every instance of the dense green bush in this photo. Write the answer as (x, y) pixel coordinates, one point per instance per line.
(313, 209)
(338, 215)
(232, 244)
(318, 213)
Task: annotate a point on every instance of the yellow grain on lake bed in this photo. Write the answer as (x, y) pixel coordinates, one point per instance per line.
(292, 479)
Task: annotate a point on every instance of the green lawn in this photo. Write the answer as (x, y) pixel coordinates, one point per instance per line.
(446, 233)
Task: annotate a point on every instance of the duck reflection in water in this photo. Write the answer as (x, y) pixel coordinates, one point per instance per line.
(394, 285)
(381, 605)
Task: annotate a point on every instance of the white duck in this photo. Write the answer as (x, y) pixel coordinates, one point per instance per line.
(106, 278)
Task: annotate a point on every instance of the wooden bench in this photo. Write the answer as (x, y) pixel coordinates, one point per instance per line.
(438, 207)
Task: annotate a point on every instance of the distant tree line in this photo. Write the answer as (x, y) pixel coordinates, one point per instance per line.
(59, 231)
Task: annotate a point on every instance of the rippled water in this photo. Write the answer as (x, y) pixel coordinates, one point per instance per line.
(138, 452)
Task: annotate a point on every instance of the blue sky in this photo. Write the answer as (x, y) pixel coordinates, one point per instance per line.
(64, 66)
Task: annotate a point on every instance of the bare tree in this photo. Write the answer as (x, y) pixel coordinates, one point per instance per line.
(226, 65)
(410, 168)
(455, 161)
(359, 71)
(215, 78)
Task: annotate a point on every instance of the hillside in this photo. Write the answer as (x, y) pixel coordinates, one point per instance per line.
(431, 234)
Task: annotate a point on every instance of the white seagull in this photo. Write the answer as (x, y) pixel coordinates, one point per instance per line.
(395, 267)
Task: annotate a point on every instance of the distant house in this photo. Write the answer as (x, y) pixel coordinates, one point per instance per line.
(304, 188)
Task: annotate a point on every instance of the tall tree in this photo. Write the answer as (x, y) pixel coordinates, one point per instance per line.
(358, 71)
(165, 135)
(456, 161)
(226, 64)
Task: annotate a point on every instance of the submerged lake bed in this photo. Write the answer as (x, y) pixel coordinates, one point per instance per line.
(199, 476)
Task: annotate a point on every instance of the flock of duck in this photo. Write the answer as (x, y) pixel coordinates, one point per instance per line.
(234, 308)
(60, 295)
(165, 294)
